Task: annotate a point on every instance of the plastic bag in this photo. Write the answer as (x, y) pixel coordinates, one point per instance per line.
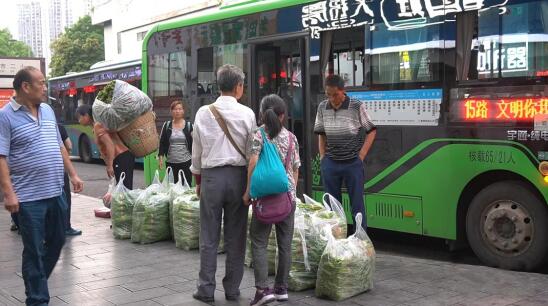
(123, 201)
(151, 214)
(107, 198)
(128, 103)
(310, 205)
(309, 239)
(347, 265)
(336, 218)
(186, 222)
(301, 274)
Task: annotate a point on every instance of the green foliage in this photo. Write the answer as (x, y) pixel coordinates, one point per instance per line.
(106, 93)
(11, 47)
(81, 46)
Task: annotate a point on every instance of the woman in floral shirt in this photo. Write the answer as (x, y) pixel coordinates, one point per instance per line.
(273, 113)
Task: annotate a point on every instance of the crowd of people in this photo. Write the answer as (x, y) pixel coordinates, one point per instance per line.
(220, 151)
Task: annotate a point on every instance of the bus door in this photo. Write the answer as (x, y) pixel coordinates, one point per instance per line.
(279, 65)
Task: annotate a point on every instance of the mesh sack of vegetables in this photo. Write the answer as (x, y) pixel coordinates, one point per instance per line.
(118, 104)
(121, 209)
(177, 189)
(151, 214)
(186, 222)
(347, 265)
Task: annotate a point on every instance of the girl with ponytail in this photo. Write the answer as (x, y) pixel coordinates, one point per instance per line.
(273, 113)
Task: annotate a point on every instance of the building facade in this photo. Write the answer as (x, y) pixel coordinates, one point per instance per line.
(30, 22)
(126, 22)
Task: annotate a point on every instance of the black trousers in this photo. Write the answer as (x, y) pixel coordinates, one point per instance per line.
(66, 188)
(181, 166)
(124, 163)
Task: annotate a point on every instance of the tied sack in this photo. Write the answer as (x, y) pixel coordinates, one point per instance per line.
(272, 208)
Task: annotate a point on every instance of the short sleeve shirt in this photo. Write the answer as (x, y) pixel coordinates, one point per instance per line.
(344, 128)
(281, 141)
(32, 149)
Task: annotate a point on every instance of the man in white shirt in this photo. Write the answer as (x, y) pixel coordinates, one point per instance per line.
(219, 167)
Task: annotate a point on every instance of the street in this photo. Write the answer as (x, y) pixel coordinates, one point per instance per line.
(96, 269)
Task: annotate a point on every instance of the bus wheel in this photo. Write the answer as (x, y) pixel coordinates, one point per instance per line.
(506, 225)
(84, 148)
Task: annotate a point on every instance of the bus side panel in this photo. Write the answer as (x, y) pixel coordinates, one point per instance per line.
(75, 131)
(441, 176)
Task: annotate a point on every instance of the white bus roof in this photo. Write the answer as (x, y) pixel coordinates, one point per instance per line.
(110, 66)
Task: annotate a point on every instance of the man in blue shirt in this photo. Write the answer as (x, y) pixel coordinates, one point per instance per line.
(32, 161)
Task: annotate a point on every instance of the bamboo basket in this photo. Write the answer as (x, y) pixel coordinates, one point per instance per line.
(141, 136)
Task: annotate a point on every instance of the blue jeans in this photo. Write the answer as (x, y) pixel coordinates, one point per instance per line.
(353, 175)
(42, 225)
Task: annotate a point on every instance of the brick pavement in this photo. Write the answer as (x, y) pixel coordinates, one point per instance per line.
(95, 269)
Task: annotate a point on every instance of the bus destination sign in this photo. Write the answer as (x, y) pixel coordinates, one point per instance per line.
(502, 110)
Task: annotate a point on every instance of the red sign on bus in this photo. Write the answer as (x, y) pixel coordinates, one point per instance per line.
(5, 95)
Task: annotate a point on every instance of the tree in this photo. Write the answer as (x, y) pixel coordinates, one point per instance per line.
(12, 47)
(81, 46)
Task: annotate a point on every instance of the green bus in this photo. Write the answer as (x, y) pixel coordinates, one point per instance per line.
(458, 90)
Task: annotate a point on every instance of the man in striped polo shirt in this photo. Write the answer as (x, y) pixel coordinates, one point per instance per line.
(342, 124)
(32, 161)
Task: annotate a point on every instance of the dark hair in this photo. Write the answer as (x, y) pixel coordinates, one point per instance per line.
(175, 103)
(272, 107)
(23, 75)
(83, 110)
(334, 81)
(229, 76)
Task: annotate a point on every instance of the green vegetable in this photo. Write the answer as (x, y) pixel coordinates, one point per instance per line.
(186, 222)
(346, 266)
(106, 93)
(346, 269)
(121, 211)
(151, 217)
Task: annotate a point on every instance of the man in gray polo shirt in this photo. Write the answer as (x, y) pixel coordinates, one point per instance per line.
(341, 124)
(32, 162)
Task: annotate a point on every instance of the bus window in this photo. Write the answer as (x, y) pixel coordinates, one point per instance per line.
(408, 56)
(206, 74)
(510, 43)
(158, 76)
(177, 72)
(345, 55)
(524, 45)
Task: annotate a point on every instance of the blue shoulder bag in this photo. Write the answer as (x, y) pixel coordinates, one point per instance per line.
(269, 176)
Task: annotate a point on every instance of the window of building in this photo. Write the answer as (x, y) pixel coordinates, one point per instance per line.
(119, 39)
(141, 35)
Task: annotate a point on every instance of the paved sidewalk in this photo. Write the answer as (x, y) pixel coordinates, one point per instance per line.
(95, 269)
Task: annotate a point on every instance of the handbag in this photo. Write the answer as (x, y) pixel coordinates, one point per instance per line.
(269, 176)
(275, 208)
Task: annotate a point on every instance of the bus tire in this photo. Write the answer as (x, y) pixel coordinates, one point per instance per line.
(505, 226)
(84, 149)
